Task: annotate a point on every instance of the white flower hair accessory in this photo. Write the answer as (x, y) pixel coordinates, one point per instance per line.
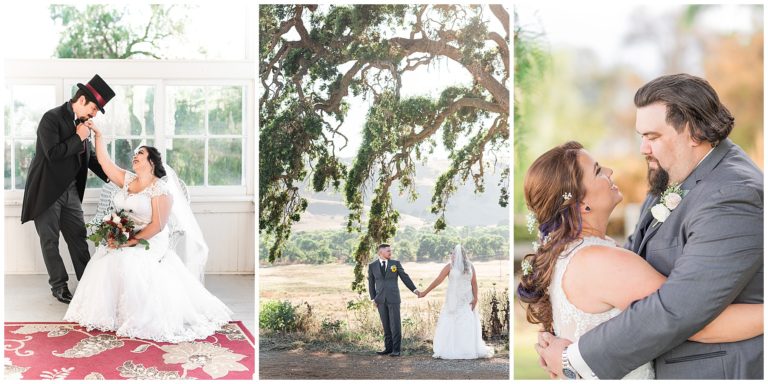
(668, 201)
(527, 267)
(567, 196)
(531, 222)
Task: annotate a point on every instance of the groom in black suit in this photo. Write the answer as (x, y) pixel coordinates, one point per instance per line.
(56, 181)
(385, 292)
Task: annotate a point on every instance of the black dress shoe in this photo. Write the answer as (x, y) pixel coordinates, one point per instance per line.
(395, 354)
(62, 295)
(67, 294)
(384, 352)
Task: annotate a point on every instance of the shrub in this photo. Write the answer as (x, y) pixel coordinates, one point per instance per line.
(331, 326)
(282, 316)
(278, 316)
(494, 308)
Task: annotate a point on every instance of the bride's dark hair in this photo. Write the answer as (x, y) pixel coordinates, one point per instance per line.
(156, 159)
(553, 175)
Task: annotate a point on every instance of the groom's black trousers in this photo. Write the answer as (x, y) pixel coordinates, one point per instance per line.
(390, 319)
(65, 216)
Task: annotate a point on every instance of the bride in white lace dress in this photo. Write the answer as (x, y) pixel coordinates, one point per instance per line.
(147, 294)
(577, 277)
(458, 334)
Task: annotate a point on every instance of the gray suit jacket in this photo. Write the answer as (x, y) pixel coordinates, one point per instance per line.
(711, 250)
(384, 289)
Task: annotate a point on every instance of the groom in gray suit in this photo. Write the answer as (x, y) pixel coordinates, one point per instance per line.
(385, 292)
(710, 247)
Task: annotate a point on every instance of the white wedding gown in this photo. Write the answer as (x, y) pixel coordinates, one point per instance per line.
(146, 294)
(458, 334)
(570, 322)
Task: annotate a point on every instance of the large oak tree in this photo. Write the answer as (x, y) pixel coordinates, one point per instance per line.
(314, 58)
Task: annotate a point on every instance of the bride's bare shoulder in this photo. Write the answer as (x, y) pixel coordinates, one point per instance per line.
(606, 263)
(603, 254)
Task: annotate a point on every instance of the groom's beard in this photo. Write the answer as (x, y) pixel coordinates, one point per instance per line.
(658, 179)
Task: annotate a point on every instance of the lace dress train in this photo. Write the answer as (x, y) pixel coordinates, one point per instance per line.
(458, 334)
(147, 294)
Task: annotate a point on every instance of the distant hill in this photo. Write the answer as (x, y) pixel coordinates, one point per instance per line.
(326, 210)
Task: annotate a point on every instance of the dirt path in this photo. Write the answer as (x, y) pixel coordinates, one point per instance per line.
(324, 365)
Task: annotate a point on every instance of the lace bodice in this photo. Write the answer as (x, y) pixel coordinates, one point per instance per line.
(139, 204)
(569, 321)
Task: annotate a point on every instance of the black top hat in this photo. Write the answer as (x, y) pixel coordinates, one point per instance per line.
(99, 91)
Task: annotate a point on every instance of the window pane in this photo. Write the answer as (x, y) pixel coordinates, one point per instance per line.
(93, 181)
(131, 112)
(185, 109)
(25, 151)
(30, 102)
(7, 110)
(225, 161)
(186, 157)
(225, 114)
(7, 165)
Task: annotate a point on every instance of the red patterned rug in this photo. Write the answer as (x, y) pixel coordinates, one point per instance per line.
(68, 351)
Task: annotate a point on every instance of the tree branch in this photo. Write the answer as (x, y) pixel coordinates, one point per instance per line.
(332, 104)
(503, 51)
(498, 90)
(502, 15)
(440, 118)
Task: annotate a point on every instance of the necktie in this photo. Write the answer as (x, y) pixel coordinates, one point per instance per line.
(77, 121)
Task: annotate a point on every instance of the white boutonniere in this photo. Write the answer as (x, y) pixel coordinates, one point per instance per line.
(668, 201)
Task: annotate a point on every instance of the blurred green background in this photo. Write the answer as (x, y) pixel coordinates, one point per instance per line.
(576, 72)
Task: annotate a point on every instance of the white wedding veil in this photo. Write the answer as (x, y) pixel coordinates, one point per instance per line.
(459, 290)
(191, 246)
(458, 259)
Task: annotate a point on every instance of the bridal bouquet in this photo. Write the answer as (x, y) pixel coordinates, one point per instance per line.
(117, 227)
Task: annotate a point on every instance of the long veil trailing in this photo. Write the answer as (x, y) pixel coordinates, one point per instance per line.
(459, 291)
(194, 250)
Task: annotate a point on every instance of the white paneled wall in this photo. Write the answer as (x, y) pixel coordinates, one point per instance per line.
(228, 227)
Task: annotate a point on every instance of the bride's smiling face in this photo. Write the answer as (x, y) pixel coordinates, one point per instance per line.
(601, 194)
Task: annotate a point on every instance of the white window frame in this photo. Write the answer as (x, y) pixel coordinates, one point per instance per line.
(13, 137)
(63, 72)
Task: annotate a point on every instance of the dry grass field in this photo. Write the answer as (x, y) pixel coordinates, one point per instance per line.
(327, 287)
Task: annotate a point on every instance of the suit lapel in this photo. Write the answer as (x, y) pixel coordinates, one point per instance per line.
(648, 234)
(642, 227)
